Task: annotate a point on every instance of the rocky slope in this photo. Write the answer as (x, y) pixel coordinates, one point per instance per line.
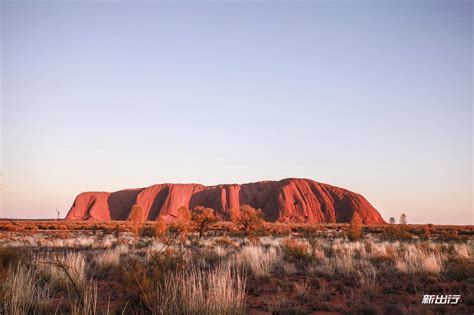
(287, 200)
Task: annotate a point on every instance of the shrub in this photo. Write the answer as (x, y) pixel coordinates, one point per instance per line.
(203, 218)
(296, 251)
(13, 228)
(136, 218)
(396, 232)
(277, 229)
(302, 288)
(161, 229)
(181, 226)
(10, 256)
(148, 231)
(450, 235)
(459, 270)
(248, 219)
(426, 232)
(355, 228)
(117, 231)
(165, 260)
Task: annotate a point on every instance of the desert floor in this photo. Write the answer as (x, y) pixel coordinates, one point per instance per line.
(118, 268)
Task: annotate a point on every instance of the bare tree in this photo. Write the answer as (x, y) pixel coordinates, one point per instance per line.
(391, 220)
(57, 211)
(403, 219)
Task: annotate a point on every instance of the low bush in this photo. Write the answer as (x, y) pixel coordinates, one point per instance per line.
(460, 269)
(11, 256)
(296, 251)
(396, 233)
(147, 231)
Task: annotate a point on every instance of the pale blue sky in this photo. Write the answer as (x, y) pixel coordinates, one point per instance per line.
(374, 97)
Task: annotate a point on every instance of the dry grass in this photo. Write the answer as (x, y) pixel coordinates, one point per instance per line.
(219, 291)
(209, 275)
(31, 287)
(367, 277)
(462, 251)
(64, 269)
(257, 259)
(415, 260)
(302, 288)
(88, 304)
(25, 292)
(108, 258)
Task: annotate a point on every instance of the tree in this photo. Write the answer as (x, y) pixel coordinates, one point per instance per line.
(391, 220)
(248, 219)
(203, 218)
(403, 219)
(161, 229)
(183, 214)
(136, 217)
(355, 227)
(182, 223)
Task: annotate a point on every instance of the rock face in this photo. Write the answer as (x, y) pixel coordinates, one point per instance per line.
(287, 200)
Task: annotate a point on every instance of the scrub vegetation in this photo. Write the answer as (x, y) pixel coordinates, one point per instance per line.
(203, 266)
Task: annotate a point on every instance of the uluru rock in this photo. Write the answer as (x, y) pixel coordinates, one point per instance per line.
(287, 200)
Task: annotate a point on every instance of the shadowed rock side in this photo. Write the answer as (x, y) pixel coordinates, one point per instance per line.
(287, 200)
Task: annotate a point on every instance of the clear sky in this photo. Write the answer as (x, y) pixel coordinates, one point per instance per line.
(375, 97)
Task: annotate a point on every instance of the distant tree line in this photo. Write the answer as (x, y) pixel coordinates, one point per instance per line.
(403, 219)
(200, 219)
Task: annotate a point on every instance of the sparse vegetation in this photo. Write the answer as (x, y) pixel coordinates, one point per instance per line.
(182, 226)
(355, 227)
(203, 218)
(258, 260)
(247, 219)
(309, 269)
(136, 218)
(296, 251)
(24, 292)
(195, 291)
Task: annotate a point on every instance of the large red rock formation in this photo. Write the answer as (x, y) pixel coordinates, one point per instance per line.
(287, 200)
